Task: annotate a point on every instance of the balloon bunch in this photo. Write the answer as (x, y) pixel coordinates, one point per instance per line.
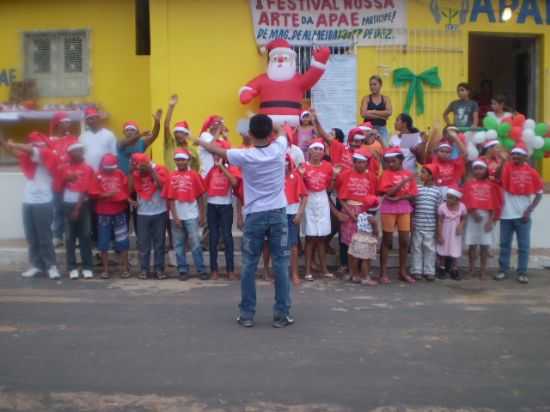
(511, 130)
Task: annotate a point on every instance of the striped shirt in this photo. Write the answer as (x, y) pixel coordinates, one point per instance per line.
(425, 214)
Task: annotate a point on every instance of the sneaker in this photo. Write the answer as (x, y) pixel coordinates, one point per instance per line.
(455, 274)
(53, 273)
(105, 275)
(160, 276)
(500, 276)
(204, 276)
(282, 321)
(57, 242)
(183, 276)
(74, 274)
(417, 276)
(522, 278)
(441, 273)
(429, 278)
(143, 276)
(245, 323)
(87, 274)
(32, 272)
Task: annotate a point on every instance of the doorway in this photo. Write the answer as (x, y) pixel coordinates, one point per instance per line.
(505, 64)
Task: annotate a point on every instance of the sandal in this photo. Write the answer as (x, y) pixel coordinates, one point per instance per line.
(105, 275)
(407, 279)
(161, 276)
(384, 280)
(143, 276)
(328, 276)
(125, 275)
(355, 280)
(369, 282)
(309, 277)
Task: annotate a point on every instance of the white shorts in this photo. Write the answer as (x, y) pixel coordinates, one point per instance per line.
(317, 215)
(475, 233)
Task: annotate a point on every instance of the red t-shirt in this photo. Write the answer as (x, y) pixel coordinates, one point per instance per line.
(184, 186)
(450, 171)
(391, 178)
(341, 154)
(317, 178)
(84, 182)
(492, 167)
(145, 185)
(521, 180)
(106, 182)
(59, 147)
(217, 184)
(295, 188)
(483, 194)
(352, 185)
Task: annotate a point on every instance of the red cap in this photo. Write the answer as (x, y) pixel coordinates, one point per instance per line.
(209, 122)
(37, 138)
(182, 126)
(91, 112)
(278, 44)
(366, 126)
(140, 158)
(454, 190)
(520, 148)
(109, 161)
(393, 152)
(57, 118)
(362, 154)
(316, 143)
(433, 169)
(130, 124)
(181, 153)
(356, 131)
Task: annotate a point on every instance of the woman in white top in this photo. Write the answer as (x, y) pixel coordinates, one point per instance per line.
(407, 137)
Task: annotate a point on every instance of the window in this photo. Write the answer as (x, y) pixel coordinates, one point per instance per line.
(143, 31)
(59, 62)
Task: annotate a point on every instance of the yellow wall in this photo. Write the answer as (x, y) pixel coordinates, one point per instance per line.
(119, 78)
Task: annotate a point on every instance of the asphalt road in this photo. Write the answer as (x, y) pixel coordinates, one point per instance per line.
(171, 346)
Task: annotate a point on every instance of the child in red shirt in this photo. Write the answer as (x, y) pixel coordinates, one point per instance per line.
(451, 171)
(221, 182)
(111, 192)
(78, 181)
(184, 190)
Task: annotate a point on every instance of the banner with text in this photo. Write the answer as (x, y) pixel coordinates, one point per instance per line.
(330, 22)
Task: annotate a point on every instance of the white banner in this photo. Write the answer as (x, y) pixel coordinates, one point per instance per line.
(334, 97)
(330, 22)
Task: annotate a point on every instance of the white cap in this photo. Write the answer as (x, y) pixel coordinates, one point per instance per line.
(316, 145)
(519, 150)
(181, 156)
(479, 163)
(358, 156)
(75, 146)
(454, 192)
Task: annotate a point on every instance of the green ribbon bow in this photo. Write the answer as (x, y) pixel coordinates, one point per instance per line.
(416, 86)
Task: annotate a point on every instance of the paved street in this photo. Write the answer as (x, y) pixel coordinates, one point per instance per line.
(172, 346)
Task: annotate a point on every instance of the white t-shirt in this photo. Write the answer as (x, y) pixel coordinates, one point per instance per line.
(515, 205)
(263, 171)
(292, 209)
(38, 190)
(206, 158)
(409, 163)
(98, 145)
(187, 210)
(221, 200)
(155, 206)
(296, 154)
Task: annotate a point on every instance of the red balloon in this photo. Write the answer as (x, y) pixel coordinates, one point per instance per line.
(508, 120)
(516, 133)
(518, 120)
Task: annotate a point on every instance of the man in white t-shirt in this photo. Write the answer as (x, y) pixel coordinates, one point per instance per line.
(97, 140)
(263, 172)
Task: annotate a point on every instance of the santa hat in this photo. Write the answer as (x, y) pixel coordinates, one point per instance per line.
(316, 144)
(393, 152)
(454, 191)
(109, 162)
(444, 144)
(130, 125)
(479, 163)
(361, 154)
(58, 118)
(37, 138)
(224, 144)
(366, 127)
(182, 126)
(279, 46)
(433, 169)
(520, 149)
(304, 114)
(371, 203)
(356, 134)
(75, 146)
(490, 143)
(140, 158)
(209, 122)
(91, 112)
(182, 154)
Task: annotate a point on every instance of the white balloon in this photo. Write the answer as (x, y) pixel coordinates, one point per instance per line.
(528, 136)
(529, 124)
(538, 142)
(473, 153)
(491, 134)
(479, 137)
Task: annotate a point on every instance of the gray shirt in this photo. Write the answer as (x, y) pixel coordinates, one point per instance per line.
(463, 111)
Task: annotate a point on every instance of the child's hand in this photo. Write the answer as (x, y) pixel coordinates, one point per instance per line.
(240, 221)
(342, 217)
(488, 226)
(202, 221)
(476, 216)
(173, 100)
(440, 239)
(157, 115)
(459, 230)
(178, 223)
(75, 213)
(297, 219)
(133, 203)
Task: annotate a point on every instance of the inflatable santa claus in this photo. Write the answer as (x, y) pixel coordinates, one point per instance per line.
(281, 89)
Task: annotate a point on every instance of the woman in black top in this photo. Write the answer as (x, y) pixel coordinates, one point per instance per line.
(376, 108)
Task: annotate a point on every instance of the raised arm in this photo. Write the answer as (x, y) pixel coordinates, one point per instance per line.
(151, 137)
(453, 135)
(327, 137)
(210, 147)
(168, 119)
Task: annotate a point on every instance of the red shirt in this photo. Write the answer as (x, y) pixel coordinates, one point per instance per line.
(352, 185)
(492, 166)
(145, 185)
(341, 154)
(450, 171)
(59, 146)
(521, 180)
(317, 178)
(84, 182)
(483, 194)
(217, 183)
(184, 186)
(106, 182)
(295, 188)
(391, 178)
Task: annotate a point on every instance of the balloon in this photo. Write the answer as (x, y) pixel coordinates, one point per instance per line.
(491, 135)
(529, 124)
(508, 144)
(541, 129)
(508, 120)
(516, 132)
(473, 153)
(518, 120)
(538, 154)
(546, 146)
(538, 142)
(528, 136)
(504, 129)
(490, 122)
(479, 137)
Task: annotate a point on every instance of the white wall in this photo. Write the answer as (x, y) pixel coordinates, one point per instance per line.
(11, 224)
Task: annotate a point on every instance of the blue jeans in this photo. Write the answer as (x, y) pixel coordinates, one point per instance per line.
(189, 230)
(523, 232)
(37, 219)
(58, 225)
(220, 220)
(272, 224)
(152, 235)
(78, 229)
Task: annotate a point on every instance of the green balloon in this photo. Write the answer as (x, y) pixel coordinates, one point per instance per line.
(546, 146)
(508, 143)
(504, 130)
(541, 129)
(538, 154)
(489, 122)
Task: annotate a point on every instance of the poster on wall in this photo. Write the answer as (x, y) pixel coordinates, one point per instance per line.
(330, 22)
(335, 95)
